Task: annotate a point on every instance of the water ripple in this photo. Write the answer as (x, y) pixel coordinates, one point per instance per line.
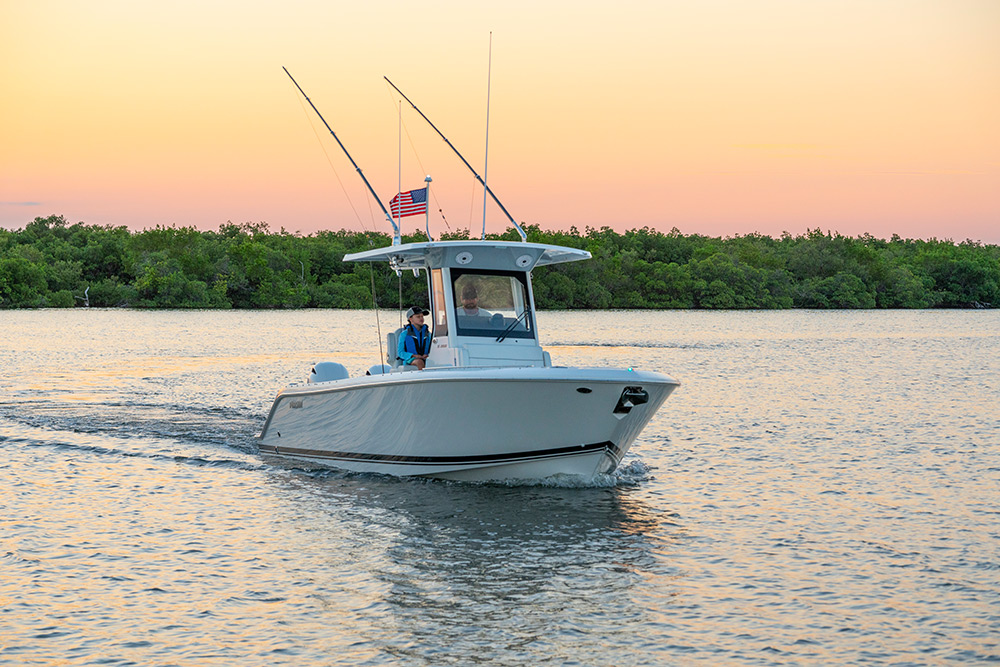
(823, 490)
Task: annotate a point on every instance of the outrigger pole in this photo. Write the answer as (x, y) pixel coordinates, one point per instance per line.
(524, 237)
(395, 227)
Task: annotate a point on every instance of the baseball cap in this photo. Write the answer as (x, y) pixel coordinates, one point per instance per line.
(416, 309)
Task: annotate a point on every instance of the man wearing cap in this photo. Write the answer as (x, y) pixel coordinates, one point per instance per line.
(470, 303)
(415, 340)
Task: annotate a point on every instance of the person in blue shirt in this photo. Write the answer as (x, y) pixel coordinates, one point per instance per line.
(415, 339)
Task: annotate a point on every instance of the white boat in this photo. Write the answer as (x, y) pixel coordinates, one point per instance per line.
(489, 406)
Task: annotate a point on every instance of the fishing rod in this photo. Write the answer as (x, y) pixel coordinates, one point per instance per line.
(524, 237)
(395, 227)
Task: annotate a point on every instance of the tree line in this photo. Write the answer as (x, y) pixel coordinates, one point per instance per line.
(50, 263)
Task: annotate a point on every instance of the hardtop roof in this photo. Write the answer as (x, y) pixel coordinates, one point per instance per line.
(433, 254)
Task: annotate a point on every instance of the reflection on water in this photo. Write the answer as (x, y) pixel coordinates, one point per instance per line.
(824, 488)
(454, 569)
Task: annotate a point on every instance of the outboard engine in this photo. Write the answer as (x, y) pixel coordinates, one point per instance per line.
(379, 369)
(326, 371)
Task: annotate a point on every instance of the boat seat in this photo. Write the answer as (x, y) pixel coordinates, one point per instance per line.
(392, 345)
(325, 371)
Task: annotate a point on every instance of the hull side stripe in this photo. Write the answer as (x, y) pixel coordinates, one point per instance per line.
(482, 459)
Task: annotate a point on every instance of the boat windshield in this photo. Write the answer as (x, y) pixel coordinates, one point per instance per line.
(490, 303)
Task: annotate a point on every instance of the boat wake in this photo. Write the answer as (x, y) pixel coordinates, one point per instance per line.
(204, 436)
(136, 421)
(33, 437)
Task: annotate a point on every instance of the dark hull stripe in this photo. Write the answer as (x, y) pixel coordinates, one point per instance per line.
(482, 459)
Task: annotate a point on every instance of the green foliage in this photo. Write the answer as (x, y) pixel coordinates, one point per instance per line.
(22, 282)
(51, 263)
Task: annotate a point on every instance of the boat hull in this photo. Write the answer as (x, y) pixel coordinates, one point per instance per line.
(467, 424)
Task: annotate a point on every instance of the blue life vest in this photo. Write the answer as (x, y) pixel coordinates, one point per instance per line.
(416, 342)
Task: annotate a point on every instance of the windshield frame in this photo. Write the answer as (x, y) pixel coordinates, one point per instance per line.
(492, 330)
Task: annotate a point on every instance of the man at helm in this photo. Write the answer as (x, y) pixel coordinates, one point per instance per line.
(470, 303)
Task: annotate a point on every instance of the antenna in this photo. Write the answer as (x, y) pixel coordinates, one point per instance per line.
(524, 237)
(486, 156)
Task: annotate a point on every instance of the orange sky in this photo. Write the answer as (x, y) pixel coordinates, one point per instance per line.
(718, 117)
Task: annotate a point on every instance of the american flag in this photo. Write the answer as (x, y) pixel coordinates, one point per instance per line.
(413, 202)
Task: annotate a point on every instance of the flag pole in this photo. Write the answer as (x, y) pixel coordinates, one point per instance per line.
(427, 204)
(399, 167)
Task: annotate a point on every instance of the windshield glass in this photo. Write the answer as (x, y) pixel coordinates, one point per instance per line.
(488, 303)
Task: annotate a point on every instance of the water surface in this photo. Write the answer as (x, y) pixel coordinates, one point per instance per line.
(823, 488)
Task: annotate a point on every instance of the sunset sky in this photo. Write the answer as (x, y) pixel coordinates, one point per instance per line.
(717, 117)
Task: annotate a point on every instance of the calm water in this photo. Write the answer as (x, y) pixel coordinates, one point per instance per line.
(823, 488)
